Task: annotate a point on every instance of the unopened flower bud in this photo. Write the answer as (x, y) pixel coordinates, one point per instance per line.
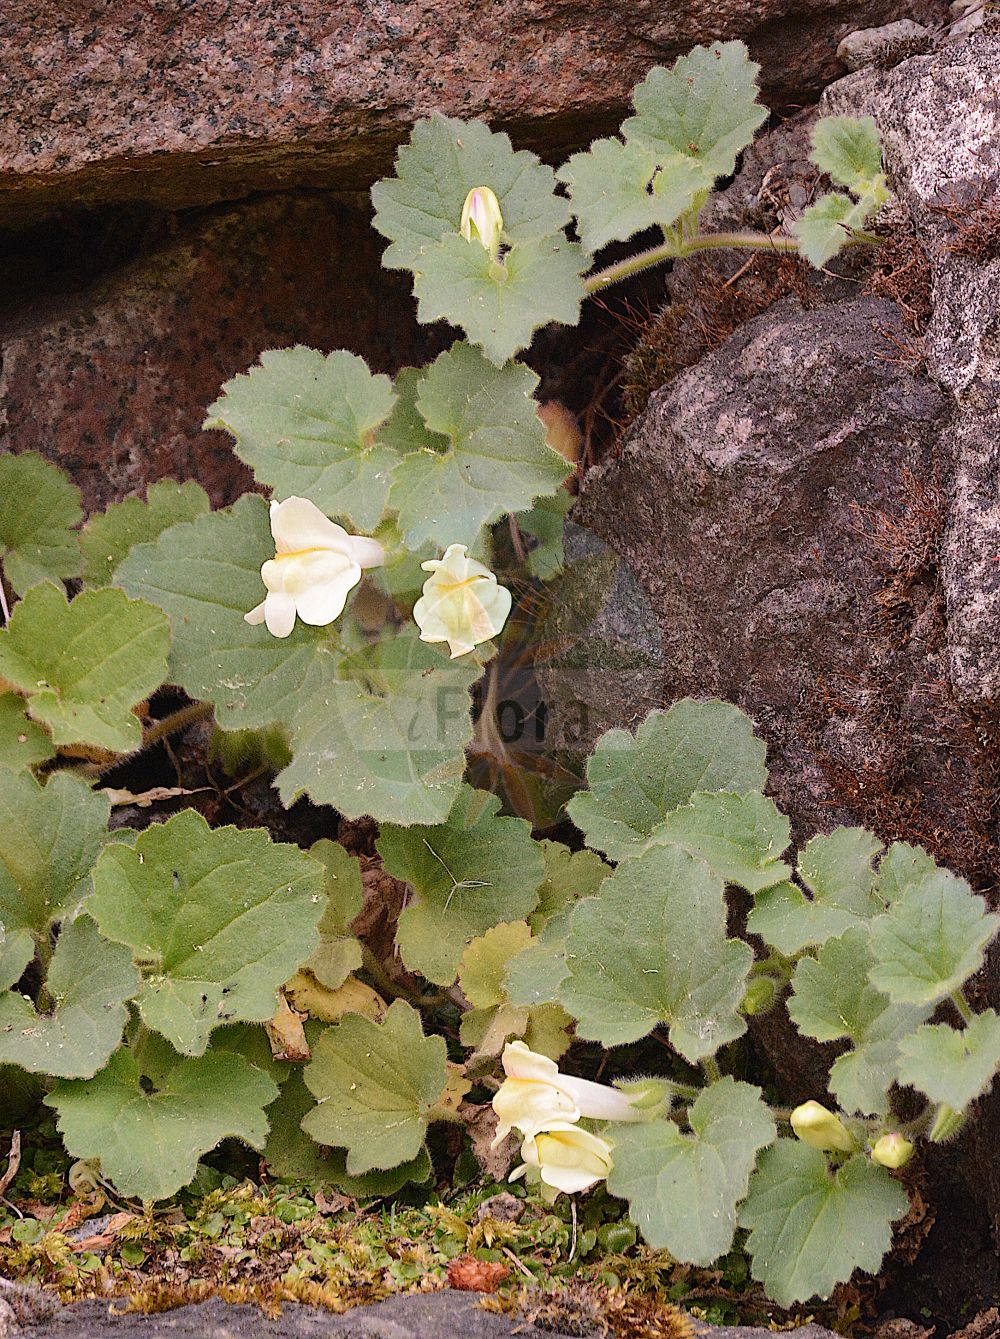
(892, 1150)
(481, 219)
(820, 1128)
(947, 1122)
(761, 994)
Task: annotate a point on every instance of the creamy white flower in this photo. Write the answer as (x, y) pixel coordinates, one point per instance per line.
(315, 567)
(462, 603)
(566, 1158)
(535, 1093)
(821, 1129)
(481, 219)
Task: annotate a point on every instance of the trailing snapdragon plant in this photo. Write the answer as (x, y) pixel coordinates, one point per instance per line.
(175, 987)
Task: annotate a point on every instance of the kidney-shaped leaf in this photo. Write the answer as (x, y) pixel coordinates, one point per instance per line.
(218, 919)
(651, 948)
(375, 1084)
(86, 664)
(149, 1142)
(683, 1190)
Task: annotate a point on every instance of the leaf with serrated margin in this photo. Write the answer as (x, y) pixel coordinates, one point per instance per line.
(390, 741)
(810, 1227)
(39, 507)
(635, 781)
(218, 918)
(149, 1143)
(86, 664)
(107, 538)
(535, 976)
(569, 876)
(683, 1189)
(500, 304)
(825, 228)
(492, 456)
(704, 108)
(651, 948)
(17, 950)
(468, 874)
(205, 575)
(620, 189)
(339, 952)
(900, 868)
(376, 1084)
(931, 939)
(50, 837)
(484, 962)
(951, 1066)
(307, 425)
(445, 159)
(832, 998)
(291, 1153)
(89, 982)
(740, 837)
(23, 744)
(849, 149)
(837, 870)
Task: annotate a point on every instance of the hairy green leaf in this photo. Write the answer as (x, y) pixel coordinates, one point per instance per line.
(149, 1142)
(106, 539)
(569, 876)
(832, 998)
(376, 1084)
(389, 741)
(339, 952)
(38, 509)
(635, 781)
(703, 108)
(825, 227)
(50, 837)
(651, 948)
(950, 1066)
(931, 939)
(218, 918)
(837, 870)
(849, 149)
(86, 664)
(89, 982)
(500, 303)
(484, 962)
(468, 874)
(491, 455)
(545, 522)
(446, 159)
(740, 837)
(810, 1227)
(683, 1189)
(307, 425)
(23, 744)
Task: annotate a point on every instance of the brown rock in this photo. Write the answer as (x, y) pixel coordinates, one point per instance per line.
(145, 100)
(112, 383)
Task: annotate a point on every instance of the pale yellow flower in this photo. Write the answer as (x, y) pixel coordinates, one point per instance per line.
(481, 219)
(315, 567)
(820, 1128)
(892, 1150)
(461, 604)
(566, 1158)
(535, 1094)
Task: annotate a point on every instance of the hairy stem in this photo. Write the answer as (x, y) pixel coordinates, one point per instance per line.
(676, 247)
(711, 1067)
(962, 1005)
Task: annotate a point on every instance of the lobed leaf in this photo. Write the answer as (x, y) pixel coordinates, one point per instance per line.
(949, 1066)
(848, 149)
(811, 1227)
(390, 741)
(635, 781)
(683, 1189)
(651, 948)
(741, 838)
(89, 982)
(825, 228)
(832, 997)
(468, 874)
(308, 424)
(84, 665)
(149, 1142)
(376, 1084)
(218, 917)
(489, 453)
(339, 952)
(39, 508)
(23, 744)
(837, 871)
(107, 538)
